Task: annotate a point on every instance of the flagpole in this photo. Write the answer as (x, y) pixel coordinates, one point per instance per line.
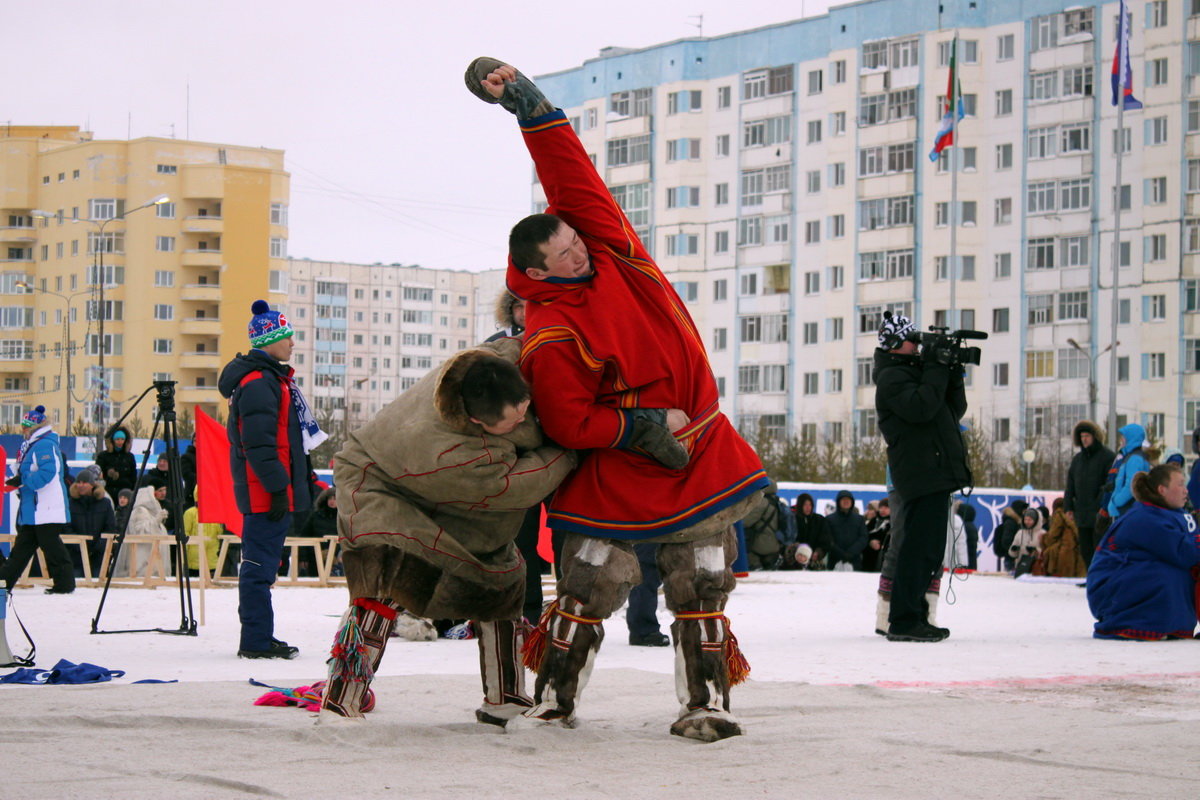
(1116, 277)
(952, 314)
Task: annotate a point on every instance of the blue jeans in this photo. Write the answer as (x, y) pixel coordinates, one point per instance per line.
(262, 552)
(642, 616)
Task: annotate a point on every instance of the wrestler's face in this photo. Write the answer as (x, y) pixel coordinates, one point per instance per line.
(513, 416)
(1175, 492)
(565, 256)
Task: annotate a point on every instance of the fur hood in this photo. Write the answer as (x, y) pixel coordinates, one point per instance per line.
(447, 395)
(504, 312)
(76, 491)
(112, 446)
(1087, 426)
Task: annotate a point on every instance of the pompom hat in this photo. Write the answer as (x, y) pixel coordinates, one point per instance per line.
(267, 326)
(894, 325)
(34, 417)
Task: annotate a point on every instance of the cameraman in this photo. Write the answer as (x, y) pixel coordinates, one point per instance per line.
(920, 399)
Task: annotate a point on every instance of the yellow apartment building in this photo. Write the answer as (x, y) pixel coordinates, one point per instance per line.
(127, 262)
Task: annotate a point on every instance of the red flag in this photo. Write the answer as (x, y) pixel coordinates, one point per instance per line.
(215, 502)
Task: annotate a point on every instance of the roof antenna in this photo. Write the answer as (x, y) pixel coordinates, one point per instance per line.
(698, 24)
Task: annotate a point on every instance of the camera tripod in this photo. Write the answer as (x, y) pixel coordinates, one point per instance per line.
(165, 395)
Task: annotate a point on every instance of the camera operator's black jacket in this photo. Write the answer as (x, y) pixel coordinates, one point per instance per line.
(919, 406)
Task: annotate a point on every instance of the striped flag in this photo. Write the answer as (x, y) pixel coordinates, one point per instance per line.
(954, 104)
(1122, 71)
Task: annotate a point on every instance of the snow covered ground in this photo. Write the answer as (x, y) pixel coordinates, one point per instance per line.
(1020, 701)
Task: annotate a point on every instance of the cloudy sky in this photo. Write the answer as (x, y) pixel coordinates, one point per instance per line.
(391, 159)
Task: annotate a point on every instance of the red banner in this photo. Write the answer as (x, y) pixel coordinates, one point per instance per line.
(215, 501)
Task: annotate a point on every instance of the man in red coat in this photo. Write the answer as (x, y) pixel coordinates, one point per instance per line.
(618, 370)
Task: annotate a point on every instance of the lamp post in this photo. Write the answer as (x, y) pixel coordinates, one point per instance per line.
(29, 288)
(1092, 374)
(99, 279)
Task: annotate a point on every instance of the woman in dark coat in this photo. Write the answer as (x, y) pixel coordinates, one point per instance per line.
(116, 463)
(812, 537)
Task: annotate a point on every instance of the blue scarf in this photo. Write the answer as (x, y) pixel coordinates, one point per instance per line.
(309, 429)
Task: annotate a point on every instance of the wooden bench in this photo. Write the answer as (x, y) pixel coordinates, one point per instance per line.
(68, 539)
(324, 556)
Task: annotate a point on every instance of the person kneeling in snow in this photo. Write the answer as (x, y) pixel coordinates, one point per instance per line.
(1142, 580)
(430, 498)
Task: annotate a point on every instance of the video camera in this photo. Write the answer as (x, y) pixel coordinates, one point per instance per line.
(947, 348)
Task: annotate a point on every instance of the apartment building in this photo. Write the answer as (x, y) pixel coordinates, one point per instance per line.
(781, 177)
(367, 332)
(126, 262)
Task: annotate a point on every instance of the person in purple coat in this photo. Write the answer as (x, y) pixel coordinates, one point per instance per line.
(1142, 580)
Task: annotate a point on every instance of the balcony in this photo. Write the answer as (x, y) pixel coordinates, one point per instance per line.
(197, 394)
(200, 326)
(205, 292)
(204, 224)
(16, 366)
(17, 233)
(202, 258)
(206, 360)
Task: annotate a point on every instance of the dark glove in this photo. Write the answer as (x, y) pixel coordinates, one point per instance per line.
(279, 506)
(14, 481)
(650, 435)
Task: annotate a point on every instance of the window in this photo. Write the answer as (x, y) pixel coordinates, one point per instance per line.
(874, 55)
(681, 102)
(837, 123)
(1156, 131)
(1000, 374)
(683, 197)
(163, 346)
(1004, 47)
(1154, 247)
(278, 247)
(814, 131)
(1003, 212)
(1076, 21)
(748, 284)
(870, 161)
(1000, 429)
(723, 145)
(812, 282)
(1074, 251)
(1076, 138)
(872, 110)
(724, 96)
(720, 338)
(1039, 364)
(1156, 72)
(1155, 191)
(1193, 175)
(1004, 156)
(813, 181)
(1040, 309)
(1040, 253)
(1072, 306)
(838, 70)
(1154, 308)
(812, 232)
(835, 277)
(1156, 17)
(1041, 143)
(749, 231)
(1154, 366)
(1075, 195)
(164, 311)
(636, 103)
(1041, 196)
(837, 174)
(683, 149)
(837, 226)
(721, 193)
(835, 329)
(104, 208)
(816, 81)
(688, 291)
(754, 84)
(902, 104)
(628, 150)
(165, 211)
(811, 383)
(833, 381)
(1043, 86)
(1123, 311)
(999, 320)
(809, 333)
(634, 199)
(1077, 82)
(1004, 103)
(683, 244)
(721, 242)
(720, 290)
(1191, 363)
(164, 244)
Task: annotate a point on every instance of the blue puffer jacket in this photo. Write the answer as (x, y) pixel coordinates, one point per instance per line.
(1140, 583)
(43, 489)
(1131, 463)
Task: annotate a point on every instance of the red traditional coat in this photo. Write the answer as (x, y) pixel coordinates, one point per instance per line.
(620, 339)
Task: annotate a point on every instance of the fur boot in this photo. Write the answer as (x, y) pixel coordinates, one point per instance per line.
(357, 651)
(503, 674)
(414, 629)
(697, 579)
(883, 605)
(597, 575)
(931, 598)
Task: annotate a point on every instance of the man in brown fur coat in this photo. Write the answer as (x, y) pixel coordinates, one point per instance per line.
(430, 495)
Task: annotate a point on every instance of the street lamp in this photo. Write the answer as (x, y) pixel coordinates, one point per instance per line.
(1092, 374)
(99, 279)
(29, 288)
